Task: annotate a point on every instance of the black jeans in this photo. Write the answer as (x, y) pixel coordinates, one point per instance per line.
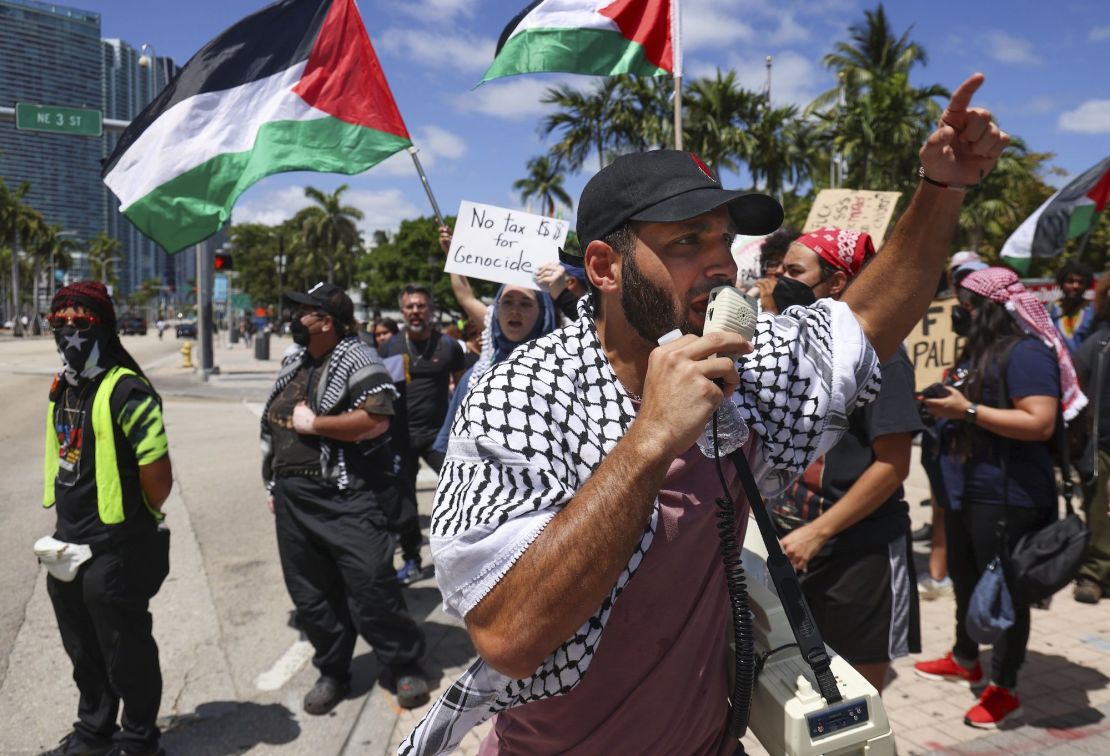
(408, 528)
(337, 560)
(972, 533)
(106, 627)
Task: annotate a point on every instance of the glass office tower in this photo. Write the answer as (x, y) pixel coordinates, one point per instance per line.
(51, 55)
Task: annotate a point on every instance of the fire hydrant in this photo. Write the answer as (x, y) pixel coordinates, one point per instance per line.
(187, 355)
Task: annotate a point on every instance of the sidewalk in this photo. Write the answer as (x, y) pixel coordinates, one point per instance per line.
(1065, 683)
(241, 377)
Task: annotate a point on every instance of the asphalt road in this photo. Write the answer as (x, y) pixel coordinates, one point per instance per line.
(234, 668)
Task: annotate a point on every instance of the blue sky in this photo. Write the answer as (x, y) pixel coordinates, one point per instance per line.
(1044, 62)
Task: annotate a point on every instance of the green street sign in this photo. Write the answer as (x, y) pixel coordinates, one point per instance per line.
(240, 301)
(58, 120)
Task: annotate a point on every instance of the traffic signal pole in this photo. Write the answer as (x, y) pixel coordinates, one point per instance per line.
(204, 309)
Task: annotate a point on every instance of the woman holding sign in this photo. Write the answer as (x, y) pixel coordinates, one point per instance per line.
(519, 315)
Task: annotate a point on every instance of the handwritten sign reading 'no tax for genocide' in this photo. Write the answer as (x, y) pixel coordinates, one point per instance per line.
(506, 246)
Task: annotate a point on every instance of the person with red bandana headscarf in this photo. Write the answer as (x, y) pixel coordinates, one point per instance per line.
(107, 474)
(844, 523)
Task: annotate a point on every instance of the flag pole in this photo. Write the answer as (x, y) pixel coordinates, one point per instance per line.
(427, 186)
(676, 47)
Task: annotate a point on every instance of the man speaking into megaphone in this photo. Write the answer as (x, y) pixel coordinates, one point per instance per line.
(574, 505)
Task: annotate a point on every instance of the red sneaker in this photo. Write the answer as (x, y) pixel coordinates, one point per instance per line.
(947, 669)
(995, 706)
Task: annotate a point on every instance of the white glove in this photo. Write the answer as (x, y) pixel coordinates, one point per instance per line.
(304, 419)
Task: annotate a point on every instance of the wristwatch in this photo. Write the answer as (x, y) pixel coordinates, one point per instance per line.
(971, 414)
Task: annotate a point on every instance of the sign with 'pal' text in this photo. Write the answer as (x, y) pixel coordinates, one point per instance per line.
(855, 210)
(506, 246)
(933, 346)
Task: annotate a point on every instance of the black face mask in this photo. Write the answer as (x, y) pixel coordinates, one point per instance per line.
(961, 321)
(81, 351)
(299, 332)
(790, 291)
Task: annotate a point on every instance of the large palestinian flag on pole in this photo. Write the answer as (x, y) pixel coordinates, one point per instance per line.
(594, 37)
(294, 87)
(1068, 214)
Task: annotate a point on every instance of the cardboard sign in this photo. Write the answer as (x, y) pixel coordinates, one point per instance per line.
(855, 210)
(933, 345)
(506, 246)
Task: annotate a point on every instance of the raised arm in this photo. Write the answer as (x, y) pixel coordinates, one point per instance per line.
(567, 572)
(474, 308)
(892, 294)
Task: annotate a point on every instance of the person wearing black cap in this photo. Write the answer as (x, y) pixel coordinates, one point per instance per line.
(334, 489)
(107, 474)
(575, 505)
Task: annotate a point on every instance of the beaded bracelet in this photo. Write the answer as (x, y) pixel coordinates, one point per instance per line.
(954, 187)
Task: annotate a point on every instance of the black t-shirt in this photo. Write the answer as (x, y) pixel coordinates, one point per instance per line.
(829, 478)
(1032, 370)
(140, 439)
(429, 366)
(1086, 363)
(294, 451)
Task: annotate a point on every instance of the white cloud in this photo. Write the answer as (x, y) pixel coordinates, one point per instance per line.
(1099, 33)
(1091, 117)
(515, 99)
(436, 12)
(795, 79)
(383, 209)
(705, 24)
(1006, 48)
(1038, 105)
(433, 143)
(450, 50)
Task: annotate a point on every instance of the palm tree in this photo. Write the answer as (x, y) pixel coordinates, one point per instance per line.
(16, 219)
(331, 230)
(719, 111)
(781, 149)
(584, 120)
(545, 183)
(641, 113)
(875, 119)
(102, 258)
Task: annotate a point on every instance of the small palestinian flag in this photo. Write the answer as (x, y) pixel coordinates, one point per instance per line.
(294, 87)
(593, 37)
(1067, 214)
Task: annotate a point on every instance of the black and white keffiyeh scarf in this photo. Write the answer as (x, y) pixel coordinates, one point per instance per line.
(535, 427)
(352, 372)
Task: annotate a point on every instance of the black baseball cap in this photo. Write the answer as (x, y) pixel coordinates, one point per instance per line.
(663, 186)
(329, 298)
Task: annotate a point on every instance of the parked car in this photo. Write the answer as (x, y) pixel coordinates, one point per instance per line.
(130, 323)
(187, 330)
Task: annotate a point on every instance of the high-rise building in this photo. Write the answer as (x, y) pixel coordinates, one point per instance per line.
(51, 55)
(130, 81)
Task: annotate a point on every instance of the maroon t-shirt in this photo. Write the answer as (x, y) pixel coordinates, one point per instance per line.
(659, 681)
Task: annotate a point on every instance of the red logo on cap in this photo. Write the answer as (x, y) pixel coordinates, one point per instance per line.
(703, 167)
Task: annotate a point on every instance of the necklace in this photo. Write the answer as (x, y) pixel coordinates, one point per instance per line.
(423, 353)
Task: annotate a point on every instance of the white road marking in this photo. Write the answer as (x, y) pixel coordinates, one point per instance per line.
(290, 663)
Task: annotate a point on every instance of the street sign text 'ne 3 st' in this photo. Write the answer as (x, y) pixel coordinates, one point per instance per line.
(58, 120)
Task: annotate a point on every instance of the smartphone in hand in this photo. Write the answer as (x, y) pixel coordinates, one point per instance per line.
(935, 391)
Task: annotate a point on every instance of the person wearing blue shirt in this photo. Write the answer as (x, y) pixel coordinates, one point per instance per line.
(1072, 315)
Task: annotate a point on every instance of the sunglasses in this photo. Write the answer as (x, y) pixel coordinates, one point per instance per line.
(80, 322)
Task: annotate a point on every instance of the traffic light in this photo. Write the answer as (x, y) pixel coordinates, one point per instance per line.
(222, 261)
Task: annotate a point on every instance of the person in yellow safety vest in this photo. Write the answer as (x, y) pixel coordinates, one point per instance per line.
(106, 474)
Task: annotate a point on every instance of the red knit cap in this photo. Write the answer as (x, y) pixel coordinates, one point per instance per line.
(843, 249)
(93, 296)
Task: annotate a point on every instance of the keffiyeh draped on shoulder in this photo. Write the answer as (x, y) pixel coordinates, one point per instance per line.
(535, 427)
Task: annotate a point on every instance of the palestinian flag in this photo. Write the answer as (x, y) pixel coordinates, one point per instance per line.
(294, 87)
(594, 37)
(1068, 214)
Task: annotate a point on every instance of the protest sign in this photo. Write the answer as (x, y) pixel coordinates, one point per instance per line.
(506, 246)
(855, 210)
(932, 344)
